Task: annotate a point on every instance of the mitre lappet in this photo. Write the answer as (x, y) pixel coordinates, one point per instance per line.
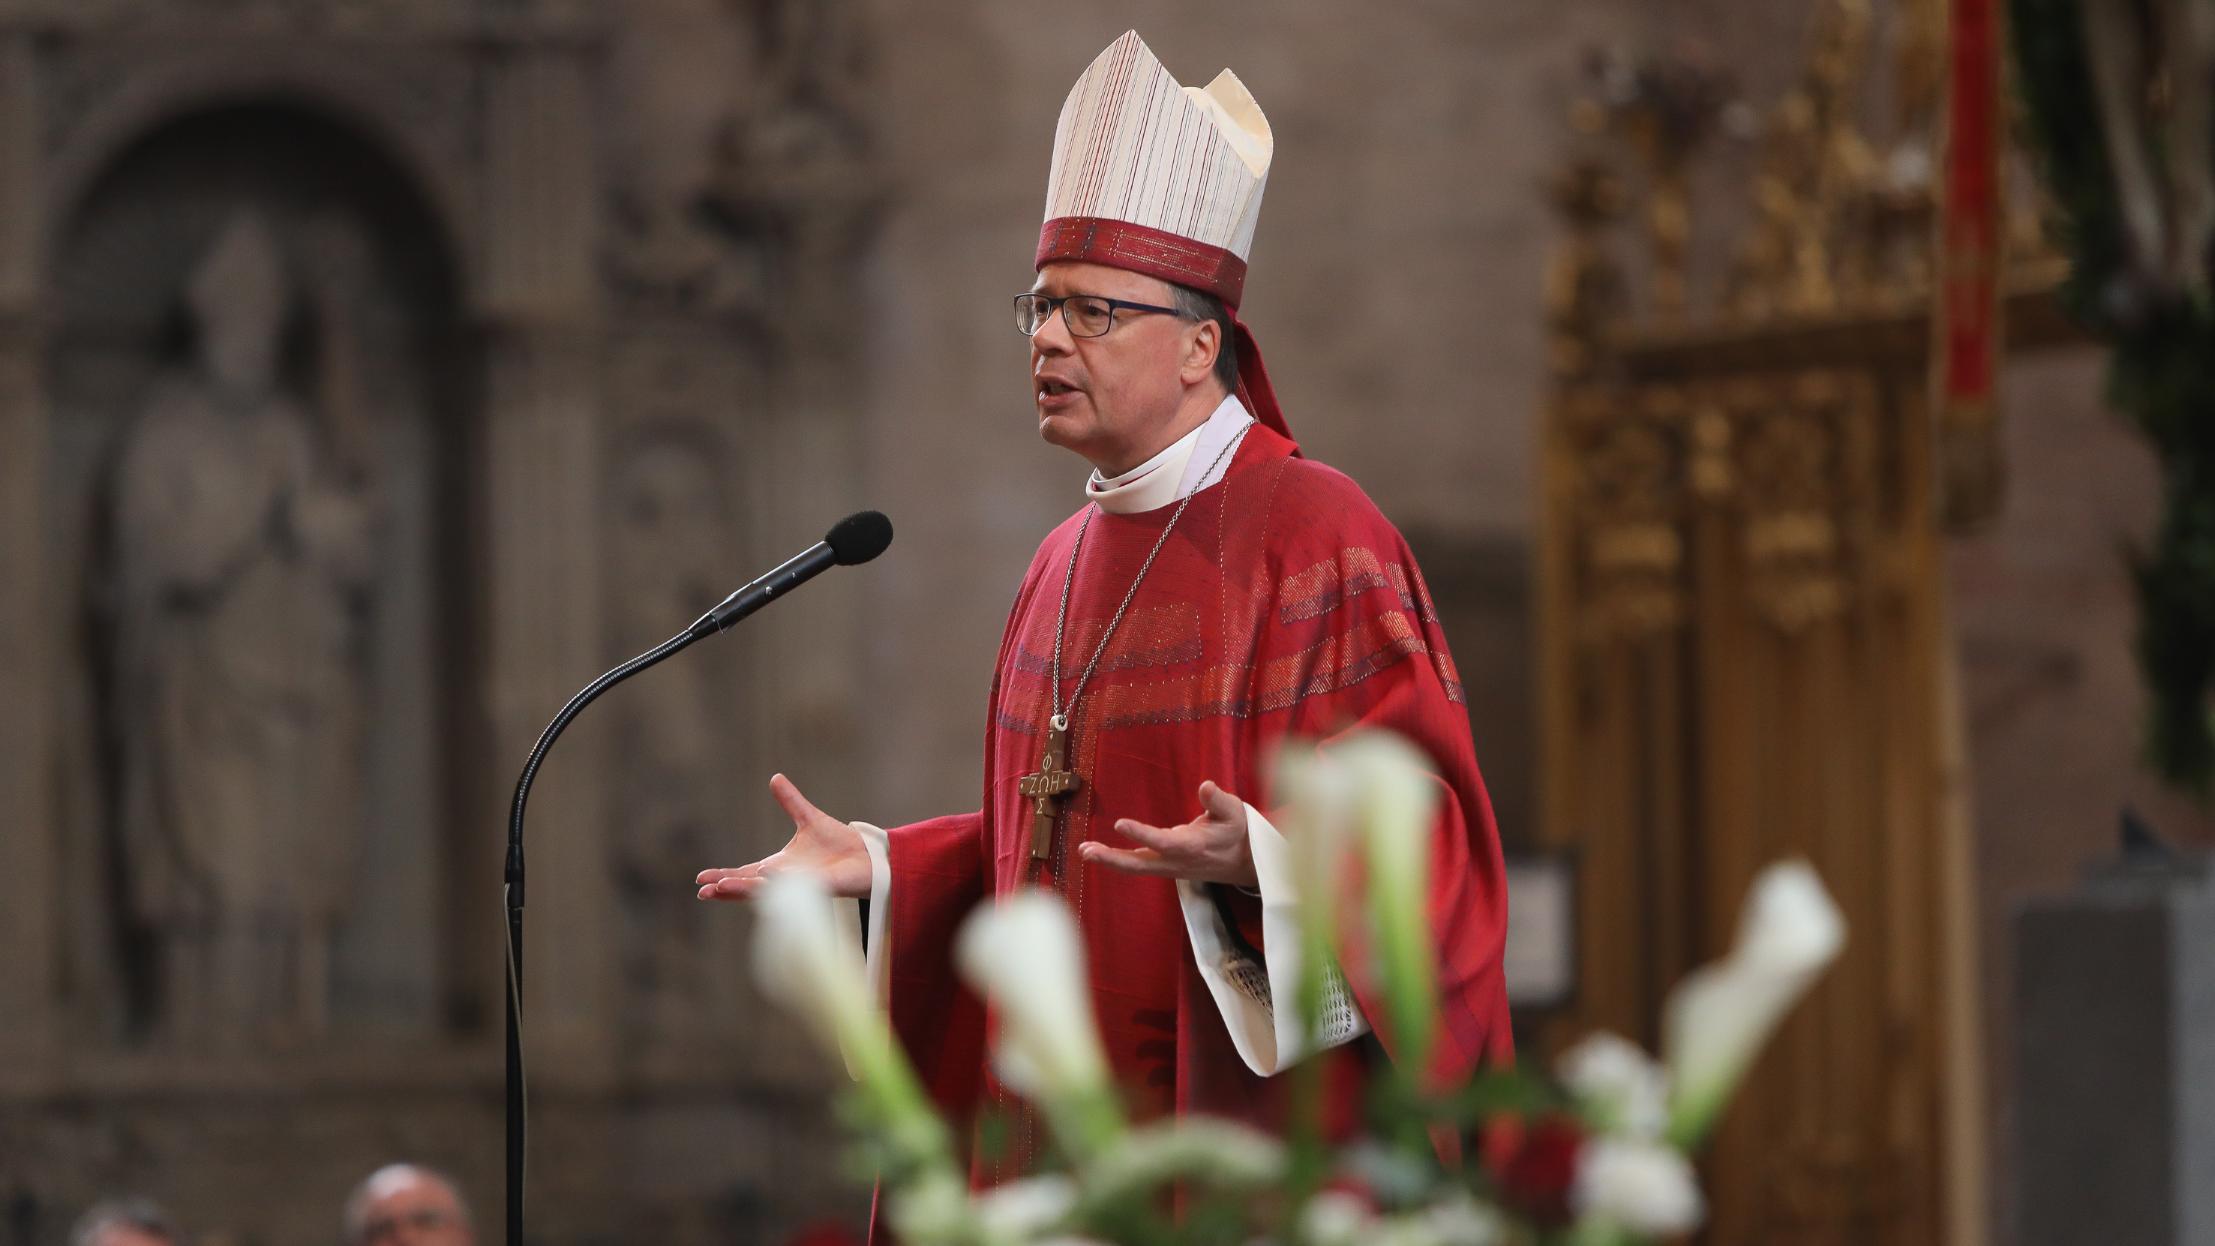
(1164, 180)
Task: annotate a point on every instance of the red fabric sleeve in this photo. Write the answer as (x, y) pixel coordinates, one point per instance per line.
(937, 878)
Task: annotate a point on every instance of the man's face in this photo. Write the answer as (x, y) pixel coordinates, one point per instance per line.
(414, 1209)
(1109, 398)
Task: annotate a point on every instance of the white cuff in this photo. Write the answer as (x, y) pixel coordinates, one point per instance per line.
(1268, 1039)
(876, 962)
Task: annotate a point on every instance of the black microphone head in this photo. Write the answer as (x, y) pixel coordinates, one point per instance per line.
(859, 537)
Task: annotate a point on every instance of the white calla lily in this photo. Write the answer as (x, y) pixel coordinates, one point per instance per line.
(935, 1209)
(1022, 1211)
(1399, 801)
(1337, 1218)
(1717, 1019)
(1370, 793)
(1618, 1086)
(1456, 1219)
(1025, 955)
(1645, 1187)
(809, 962)
(1320, 806)
(1321, 797)
(1460, 1220)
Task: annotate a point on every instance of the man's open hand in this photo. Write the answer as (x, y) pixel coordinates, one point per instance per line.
(820, 842)
(1209, 849)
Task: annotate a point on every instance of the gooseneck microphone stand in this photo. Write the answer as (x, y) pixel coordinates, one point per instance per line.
(854, 539)
(514, 892)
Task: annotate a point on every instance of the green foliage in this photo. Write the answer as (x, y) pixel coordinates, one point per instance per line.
(2056, 84)
(2164, 375)
(2161, 376)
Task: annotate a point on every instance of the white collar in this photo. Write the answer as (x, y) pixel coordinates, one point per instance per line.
(1190, 464)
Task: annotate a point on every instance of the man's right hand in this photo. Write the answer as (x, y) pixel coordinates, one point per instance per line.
(820, 842)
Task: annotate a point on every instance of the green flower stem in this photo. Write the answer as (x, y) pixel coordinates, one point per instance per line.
(1692, 1116)
(1085, 1123)
(1599, 1233)
(1309, 1156)
(2161, 374)
(1398, 877)
(1403, 947)
(895, 1105)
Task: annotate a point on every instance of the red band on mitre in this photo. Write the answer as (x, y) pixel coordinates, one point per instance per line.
(1158, 253)
(1141, 249)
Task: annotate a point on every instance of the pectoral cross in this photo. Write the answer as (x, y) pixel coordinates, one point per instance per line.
(1049, 787)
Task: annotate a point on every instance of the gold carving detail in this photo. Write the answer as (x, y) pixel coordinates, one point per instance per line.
(1584, 285)
(1805, 452)
(1818, 181)
(1787, 461)
(1629, 482)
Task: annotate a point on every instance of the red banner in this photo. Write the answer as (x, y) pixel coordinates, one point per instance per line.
(1969, 227)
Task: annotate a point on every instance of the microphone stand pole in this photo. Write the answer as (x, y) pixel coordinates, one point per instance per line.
(854, 539)
(513, 891)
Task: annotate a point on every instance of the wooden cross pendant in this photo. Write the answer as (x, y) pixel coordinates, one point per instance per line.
(1049, 787)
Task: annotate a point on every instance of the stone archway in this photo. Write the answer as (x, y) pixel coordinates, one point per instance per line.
(406, 117)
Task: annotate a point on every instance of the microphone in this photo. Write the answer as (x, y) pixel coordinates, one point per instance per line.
(855, 539)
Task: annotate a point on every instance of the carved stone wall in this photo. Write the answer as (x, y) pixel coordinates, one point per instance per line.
(28, 984)
(581, 393)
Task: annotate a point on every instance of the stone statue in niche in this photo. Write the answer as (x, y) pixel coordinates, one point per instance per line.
(670, 525)
(244, 542)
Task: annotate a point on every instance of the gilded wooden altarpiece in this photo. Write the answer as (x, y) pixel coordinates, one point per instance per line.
(1744, 646)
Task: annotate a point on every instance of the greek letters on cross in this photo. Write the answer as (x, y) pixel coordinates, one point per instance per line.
(1049, 786)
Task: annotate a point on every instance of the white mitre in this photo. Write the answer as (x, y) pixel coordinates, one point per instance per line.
(1133, 146)
(1164, 180)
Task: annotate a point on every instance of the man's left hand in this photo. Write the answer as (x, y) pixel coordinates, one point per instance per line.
(1209, 849)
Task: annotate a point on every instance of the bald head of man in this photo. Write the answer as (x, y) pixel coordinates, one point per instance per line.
(406, 1205)
(126, 1222)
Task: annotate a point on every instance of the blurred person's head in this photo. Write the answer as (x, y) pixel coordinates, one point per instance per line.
(406, 1205)
(126, 1222)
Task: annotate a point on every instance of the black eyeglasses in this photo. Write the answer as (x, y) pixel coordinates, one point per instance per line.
(1086, 315)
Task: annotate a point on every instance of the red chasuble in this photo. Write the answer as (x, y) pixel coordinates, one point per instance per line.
(1282, 605)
